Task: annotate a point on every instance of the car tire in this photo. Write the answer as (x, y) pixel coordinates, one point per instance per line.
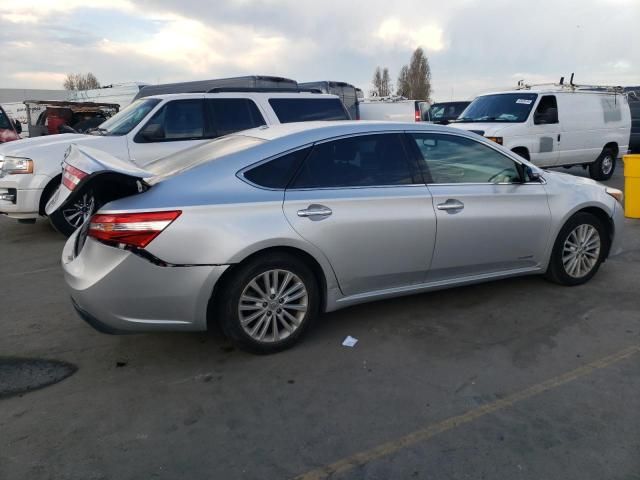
(579, 250)
(268, 303)
(604, 166)
(68, 220)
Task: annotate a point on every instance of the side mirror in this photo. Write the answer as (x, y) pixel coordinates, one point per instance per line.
(152, 132)
(531, 175)
(18, 126)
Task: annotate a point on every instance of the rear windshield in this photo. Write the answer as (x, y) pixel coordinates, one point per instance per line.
(504, 107)
(4, 120)
(308, 109)
(198, 155)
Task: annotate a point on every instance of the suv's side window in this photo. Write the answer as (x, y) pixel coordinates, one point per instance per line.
(366, 160)
(176, 120)
(230, 115)
(547, 111)
(453, 159)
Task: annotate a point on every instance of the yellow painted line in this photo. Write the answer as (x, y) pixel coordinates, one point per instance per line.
(393, 446)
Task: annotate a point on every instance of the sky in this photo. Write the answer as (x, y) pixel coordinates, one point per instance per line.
(473, 46)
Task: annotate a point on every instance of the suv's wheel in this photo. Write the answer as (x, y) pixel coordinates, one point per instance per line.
(604, 166)
(68, 219)
(579, 250)
(268, 303)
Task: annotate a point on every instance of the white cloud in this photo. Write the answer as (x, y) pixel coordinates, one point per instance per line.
(32, 11)
(394, 32)
(199, 48)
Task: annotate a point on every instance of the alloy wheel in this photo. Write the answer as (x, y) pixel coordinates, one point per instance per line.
(273, 305)
(581, 251)
(607, 165)
(77, 213)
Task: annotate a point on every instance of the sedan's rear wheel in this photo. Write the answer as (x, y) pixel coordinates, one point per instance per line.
(579, 250)
(268, 303)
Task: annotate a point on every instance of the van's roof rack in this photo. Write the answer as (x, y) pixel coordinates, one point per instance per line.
(571, 86)
(263, 90)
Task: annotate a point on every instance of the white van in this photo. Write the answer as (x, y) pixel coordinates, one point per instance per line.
(148, 129)
(394, 109)
(552, 127)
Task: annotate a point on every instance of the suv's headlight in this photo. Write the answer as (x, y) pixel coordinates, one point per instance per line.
(16, 165)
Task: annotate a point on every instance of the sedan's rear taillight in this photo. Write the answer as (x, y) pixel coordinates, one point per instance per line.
(71, 176)
(130, 229)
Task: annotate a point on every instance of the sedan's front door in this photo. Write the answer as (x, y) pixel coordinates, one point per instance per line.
(358, 201)
(488, 219)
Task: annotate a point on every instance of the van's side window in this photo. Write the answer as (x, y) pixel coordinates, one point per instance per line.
(177, 120)
(547, 111)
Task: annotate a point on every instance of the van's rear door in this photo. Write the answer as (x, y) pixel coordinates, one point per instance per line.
(106, 177)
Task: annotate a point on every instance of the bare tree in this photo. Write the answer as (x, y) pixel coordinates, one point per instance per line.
(79, 81)
(414, 80)
(377, 82)
(385, 83)
(404, 89)
(420, 76)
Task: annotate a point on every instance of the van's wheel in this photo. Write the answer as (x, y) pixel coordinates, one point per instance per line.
(268, 303)
(579, 250)
(68, 220)
(604, 166)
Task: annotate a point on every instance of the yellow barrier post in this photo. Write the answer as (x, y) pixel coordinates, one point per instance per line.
(632, 186)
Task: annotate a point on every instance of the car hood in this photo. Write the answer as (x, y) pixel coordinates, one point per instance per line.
(489, 129)
(568, 179)
(24, 147)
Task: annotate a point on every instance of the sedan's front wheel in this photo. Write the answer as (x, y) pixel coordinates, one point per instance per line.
(579, 250)
(268, 303)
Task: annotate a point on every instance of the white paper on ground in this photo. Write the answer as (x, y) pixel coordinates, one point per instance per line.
(349, 341)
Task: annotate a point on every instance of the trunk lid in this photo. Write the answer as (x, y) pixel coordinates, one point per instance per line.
(105, 177)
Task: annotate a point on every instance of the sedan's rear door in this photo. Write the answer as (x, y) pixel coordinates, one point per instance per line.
(489, 220)
(358, 200)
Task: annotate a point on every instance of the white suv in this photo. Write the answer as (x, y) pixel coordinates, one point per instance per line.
(148, 129)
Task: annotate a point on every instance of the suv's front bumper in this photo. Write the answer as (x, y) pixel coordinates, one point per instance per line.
(20, 195)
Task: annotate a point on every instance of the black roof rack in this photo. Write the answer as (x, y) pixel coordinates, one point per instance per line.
(263, 90)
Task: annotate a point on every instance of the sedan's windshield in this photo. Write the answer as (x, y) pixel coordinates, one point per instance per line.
(4, 120)
(126, 120)
(503, 107)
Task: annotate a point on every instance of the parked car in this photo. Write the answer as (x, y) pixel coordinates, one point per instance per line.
(8, 128)
(633, 96)
(394, 109)
(555, 127)
(148, 129)
(263, 230)
(445, 112)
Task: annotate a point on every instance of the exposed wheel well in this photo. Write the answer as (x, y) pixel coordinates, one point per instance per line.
(522, 151)
(46, 193)
(296, 252)
(606, 221)
(613, 146)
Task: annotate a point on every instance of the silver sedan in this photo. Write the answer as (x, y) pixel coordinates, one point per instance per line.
(263, 230)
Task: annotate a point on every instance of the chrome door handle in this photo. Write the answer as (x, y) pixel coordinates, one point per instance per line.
(450, 205)
(315, 211)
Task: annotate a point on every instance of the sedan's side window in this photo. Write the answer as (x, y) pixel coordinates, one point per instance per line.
(177, 120)
(366, 160)
(454, 159)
